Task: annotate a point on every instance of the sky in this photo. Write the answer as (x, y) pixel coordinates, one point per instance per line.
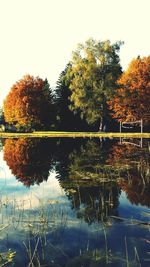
(37, 37)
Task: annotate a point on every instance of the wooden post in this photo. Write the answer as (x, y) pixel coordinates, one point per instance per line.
(120, 126)
(141, 126)
(120, 132)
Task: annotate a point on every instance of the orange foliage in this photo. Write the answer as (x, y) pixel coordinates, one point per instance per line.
(133, 168)
(132, 99)
(137, 191)
(29, 159)
(121, 154)
(28, 104)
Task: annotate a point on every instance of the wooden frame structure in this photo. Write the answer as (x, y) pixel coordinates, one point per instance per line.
(130, 124)
(132, 142)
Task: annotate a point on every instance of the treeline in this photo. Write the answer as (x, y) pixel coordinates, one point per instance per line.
(92, 93)
(84, 168)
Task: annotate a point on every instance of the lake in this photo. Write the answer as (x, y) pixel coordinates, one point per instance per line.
(74, 202)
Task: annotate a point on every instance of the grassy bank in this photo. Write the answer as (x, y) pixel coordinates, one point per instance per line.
(73, 134)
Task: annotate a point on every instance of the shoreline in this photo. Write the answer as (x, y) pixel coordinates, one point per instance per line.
(47, 134)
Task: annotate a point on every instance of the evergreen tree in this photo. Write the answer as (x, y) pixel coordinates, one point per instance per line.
(65, 118)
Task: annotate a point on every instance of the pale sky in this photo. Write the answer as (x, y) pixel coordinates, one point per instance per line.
(37, 37)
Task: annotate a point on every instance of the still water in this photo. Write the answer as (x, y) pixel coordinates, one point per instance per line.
(75, 202)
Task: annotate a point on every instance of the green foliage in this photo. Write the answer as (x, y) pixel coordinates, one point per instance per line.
(93, 73)
(65, 118)
(1, 115)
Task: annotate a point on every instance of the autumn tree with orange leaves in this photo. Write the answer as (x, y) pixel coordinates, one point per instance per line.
(132, 100)
(29, 104)
(29, 159)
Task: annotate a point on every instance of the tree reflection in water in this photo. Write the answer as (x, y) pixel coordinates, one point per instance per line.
(92, 172)
(30, 160)
(133, 164)
(89, 182)
(96, 174)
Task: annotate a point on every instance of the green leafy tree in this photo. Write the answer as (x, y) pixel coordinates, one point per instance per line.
(93, 72)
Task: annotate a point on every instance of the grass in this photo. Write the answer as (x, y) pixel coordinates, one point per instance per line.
(43, 225)
(43, 134)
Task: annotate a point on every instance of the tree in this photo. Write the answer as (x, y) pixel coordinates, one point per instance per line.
(131, 101)
(66, 119)
(1, 115)
(29, 104)
(93, 73)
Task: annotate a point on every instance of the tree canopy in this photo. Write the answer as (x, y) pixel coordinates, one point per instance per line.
(131, 101)
(90, 90)
(29, 104)
(93, 73)
(65, 118)
(1, 115)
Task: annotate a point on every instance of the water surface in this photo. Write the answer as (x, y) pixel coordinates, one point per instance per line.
(75, 202)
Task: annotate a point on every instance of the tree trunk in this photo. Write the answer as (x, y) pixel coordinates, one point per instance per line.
(103, 125)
